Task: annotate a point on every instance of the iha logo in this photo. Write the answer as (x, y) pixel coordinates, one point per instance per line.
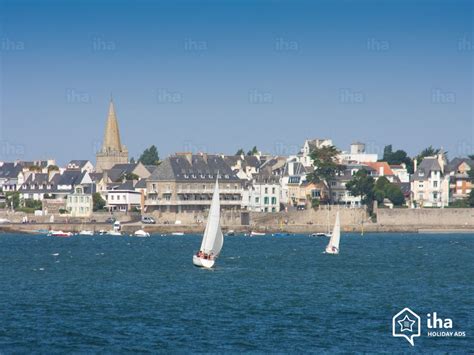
(406, 324)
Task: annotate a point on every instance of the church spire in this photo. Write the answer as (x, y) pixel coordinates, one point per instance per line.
(112, 134)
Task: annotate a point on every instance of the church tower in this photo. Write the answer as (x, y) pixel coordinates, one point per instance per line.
(112, 152)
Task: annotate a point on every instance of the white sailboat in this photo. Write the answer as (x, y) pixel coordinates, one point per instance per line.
(213, 239)
(333, 245)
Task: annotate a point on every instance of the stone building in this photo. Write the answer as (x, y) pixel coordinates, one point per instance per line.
(112, 152)
(184, 183)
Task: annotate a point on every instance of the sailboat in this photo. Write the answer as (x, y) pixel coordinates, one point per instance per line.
(213, 239)
(333, 245)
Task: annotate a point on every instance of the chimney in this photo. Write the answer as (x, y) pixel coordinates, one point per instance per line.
(381, 171)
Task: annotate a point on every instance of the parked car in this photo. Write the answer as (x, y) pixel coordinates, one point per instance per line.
(110, 220)
(148, 220)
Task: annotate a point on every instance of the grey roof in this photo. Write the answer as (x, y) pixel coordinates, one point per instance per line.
(264, 177)
(79, 163)
(96, 176)
(424, 170)
(127, 185)
(10, 170)
(70, 177)
(141, 184)
(453, 165)
(126, 168)
(151, 168)
(197, 168)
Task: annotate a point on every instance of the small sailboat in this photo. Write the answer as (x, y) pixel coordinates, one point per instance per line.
(213, 239)
(257, 234)
(333, 245)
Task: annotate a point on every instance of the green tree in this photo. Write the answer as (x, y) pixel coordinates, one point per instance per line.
(98, 203)
(33, 204)
(240, 152)
(13, 199)
(394, 194)
(150, 156)
(130, 176)
(397, 157)
(470, 198)
(362, 184)
(326, 166)
(254, 151)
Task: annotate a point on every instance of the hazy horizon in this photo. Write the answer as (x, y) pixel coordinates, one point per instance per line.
(218, 76)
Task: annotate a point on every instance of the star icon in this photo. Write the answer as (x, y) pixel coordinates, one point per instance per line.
(406, 324)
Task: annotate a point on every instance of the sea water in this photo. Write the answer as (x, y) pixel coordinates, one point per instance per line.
(266, 294)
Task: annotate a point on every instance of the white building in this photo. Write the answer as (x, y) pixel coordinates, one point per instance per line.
(357, 155)
(79, 203)
(310, 145)
(263, 194)
(124, 197)
(430, 184)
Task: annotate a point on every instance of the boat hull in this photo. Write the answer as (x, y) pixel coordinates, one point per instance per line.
(332, 251)
(205, 263)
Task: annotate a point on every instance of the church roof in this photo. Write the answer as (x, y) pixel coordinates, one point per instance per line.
(112, 141)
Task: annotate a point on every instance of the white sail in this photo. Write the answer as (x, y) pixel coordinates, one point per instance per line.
(333, 245)
(213, 238)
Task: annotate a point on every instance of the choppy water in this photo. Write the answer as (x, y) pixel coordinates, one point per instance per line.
(267, 294)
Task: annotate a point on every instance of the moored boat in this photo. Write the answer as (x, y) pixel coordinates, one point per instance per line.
(257, 234)
(60, 234)
(141, 233)
(86, 232)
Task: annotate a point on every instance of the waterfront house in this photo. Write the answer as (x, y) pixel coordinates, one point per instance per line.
(79, 202)
(244, 166)
(124, 197)
(184, 183)
(429, 183)
(460, 183)
(262, 194)
(304, 156)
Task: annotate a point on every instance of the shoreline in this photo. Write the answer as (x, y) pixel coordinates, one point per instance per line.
(129, 228)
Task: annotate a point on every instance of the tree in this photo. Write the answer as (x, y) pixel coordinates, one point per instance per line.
(130, 176)
(362, 184)
(150, 156)
(394, 194)
(397, 157)
(326, 166)
(240, 152)
(13, 199)
(132, 160)
(471, 156)
(254, 151)
(98, 202)
(33, 204)
(470, 198)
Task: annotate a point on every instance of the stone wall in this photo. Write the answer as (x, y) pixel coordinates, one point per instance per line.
(426, 217)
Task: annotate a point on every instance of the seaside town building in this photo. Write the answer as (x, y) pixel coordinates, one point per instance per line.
(112, 152)
(184, 183)
(460, 181)
(79, 203)
(429, 183)
(357, 155)
(262, 194)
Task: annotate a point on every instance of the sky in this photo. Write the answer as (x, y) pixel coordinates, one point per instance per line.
(216, 76)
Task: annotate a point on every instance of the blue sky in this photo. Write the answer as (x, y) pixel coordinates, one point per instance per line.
(219, 75)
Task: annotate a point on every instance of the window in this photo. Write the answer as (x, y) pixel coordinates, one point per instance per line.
(266, 190)
(257, 199)
(273, 190)
(435, 183)
(274, 200)
(265, 201)
(435, 195)
(315, 193)
(273, 209)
